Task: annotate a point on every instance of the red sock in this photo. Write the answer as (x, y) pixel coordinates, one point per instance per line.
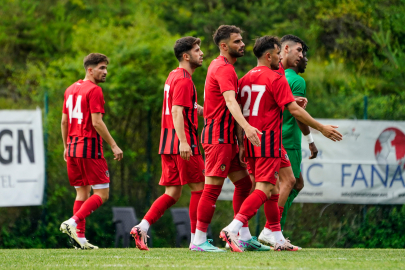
(251, 205)
(242, 191)
(281, 209)
(271, 210)
(81, 226)
(206, 206)
(90, 205)
(195, 198)
(158, 208)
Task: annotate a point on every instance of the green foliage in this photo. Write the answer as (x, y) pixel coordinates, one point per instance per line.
(356, 50)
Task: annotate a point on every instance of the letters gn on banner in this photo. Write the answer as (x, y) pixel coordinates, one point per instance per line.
(366, 167)
(22, 166)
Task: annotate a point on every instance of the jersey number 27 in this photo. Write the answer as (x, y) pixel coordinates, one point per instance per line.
(247, 90)
(75, 112)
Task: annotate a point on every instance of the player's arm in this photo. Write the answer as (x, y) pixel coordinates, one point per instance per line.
(239, 136)
(307, 134)
(64, 127)
(178, 122)
(101, 129)
(301, 115)
(233, 106)
(200, 110)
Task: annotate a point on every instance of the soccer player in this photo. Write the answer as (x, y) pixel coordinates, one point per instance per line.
(83, 132)
(292, 130)
(182, 162)
(221, 109)
(264, 95)
(291, 53)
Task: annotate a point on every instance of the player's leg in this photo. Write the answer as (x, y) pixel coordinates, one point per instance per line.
(265, 180)
(82, 194)
(192, 174)
(287, 180)
(295, 159)
(217, 163)
(196, 192)
(243, 186)
(171, 180)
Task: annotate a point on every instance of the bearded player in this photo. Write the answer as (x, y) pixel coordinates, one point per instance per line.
(182, 162)
(292, 49)
(264, 95)
(83, 132)
(292, 130)
(221, 109)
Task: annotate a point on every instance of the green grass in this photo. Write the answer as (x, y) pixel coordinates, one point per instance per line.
(176, 258)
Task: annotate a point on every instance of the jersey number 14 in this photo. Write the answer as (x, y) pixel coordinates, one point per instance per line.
(75, 112)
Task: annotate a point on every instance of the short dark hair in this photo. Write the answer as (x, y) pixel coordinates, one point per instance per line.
(183, 45)
(94, 59)
(295, 39)
(224, 32)
(264, 44)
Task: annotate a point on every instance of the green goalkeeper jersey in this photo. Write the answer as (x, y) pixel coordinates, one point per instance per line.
(291, 132)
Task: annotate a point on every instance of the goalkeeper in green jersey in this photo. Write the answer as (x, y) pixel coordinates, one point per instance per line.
(292, 129)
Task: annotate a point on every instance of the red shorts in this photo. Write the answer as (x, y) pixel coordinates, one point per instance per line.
(87, 171)
(264, 169)
(285, 161)
(221, 159)
(177, 171)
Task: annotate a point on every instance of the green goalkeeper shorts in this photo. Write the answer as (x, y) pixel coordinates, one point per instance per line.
(295, 157)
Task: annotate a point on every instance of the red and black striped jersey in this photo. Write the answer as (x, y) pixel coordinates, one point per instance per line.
(219, 123)
(179, 90)
(81, 100)
(263, 95)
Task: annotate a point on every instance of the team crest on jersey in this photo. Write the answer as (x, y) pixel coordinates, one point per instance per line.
(286, 157)
(275, 174)
(107, 173)
(223, 167)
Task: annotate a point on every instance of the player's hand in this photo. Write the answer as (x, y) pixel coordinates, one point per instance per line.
(65, 154)
(242, 156)
(251, 134)
(118, 154)
(185, 151)
(301, 101)
(330, 132)
(314, 150)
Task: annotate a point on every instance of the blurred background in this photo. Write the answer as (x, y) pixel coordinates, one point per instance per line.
(356, 51)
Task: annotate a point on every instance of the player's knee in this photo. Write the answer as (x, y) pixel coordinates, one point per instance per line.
(292, 181)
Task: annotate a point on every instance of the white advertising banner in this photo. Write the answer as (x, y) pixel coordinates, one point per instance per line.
(22, 166)
(366, 167)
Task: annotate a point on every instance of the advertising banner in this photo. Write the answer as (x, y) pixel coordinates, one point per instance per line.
(366, 167)
(22, 166)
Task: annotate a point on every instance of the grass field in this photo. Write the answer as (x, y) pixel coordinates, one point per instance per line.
(165, 258)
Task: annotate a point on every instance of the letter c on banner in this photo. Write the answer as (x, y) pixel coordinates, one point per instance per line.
(309, 180)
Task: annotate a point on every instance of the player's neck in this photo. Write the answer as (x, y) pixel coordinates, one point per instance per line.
(230, 59)
(263, 64)
(295, 69)
(88, 78)
(187, 67)
(285, 63)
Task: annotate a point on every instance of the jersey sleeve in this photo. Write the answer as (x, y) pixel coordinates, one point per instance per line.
(226, 78)
(298, 87)
(281, 91)
(96, 101)
(182, 93)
